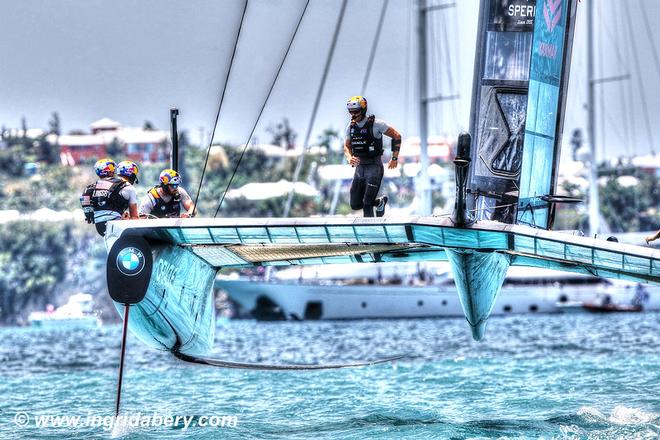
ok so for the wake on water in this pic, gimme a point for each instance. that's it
(622, 423)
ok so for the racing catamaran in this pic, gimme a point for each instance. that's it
(506, 168)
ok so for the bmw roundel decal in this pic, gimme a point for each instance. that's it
(130, 261)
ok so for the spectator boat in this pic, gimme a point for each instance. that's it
(76, 313)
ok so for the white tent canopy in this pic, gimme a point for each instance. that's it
(438, 148)
(345, 172)
(268, 190)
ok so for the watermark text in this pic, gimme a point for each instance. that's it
(108, 423)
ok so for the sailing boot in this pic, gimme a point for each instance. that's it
(380, 208)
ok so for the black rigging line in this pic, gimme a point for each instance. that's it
(272, 86)
(222, 98)
(639, 73)
(317, 101)
(374, 45)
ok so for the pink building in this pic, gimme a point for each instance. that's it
(142, 146)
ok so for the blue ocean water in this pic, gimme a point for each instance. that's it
(535, 376)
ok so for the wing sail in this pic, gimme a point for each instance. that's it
(548, 83)
(521, 71)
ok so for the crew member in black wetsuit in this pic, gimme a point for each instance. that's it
(167, 199)
(363, 148)
(115, 197)
(104, 169)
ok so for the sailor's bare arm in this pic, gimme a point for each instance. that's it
(347, 152)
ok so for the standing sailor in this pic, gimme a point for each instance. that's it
(113, 196)
(167, 199)
(363, 148)
(105, 169)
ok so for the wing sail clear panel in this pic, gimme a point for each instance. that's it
(507, 56)
(502, 135)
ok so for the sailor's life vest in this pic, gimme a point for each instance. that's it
(363, 142)
(86, 202)
(164, 209)
(106, 197)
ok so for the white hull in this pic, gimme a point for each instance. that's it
(76, 313)
(314, 301)
(83, 322)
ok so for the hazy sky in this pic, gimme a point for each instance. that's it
(131, 61)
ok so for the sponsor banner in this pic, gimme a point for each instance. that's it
(548, 45)
(512, 15)
(545, 110)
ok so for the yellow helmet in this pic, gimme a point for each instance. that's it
(357, 103)
(128, 169)
(105, 167)
(169, 177)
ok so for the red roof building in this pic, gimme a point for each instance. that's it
(142, 146)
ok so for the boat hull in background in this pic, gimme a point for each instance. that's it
(317, 301)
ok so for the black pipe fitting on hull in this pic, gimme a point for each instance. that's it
(460, 216)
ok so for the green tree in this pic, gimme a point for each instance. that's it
(12, 160)
(184, 139)
(282, 134)
(46, 151)
(24, 127)
(629, 208)
(114, 148)
(33, 256)
(328, 139)
(54, 124)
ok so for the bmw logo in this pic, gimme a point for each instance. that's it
(130, 261)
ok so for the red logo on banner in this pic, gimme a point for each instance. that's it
(552, 13)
